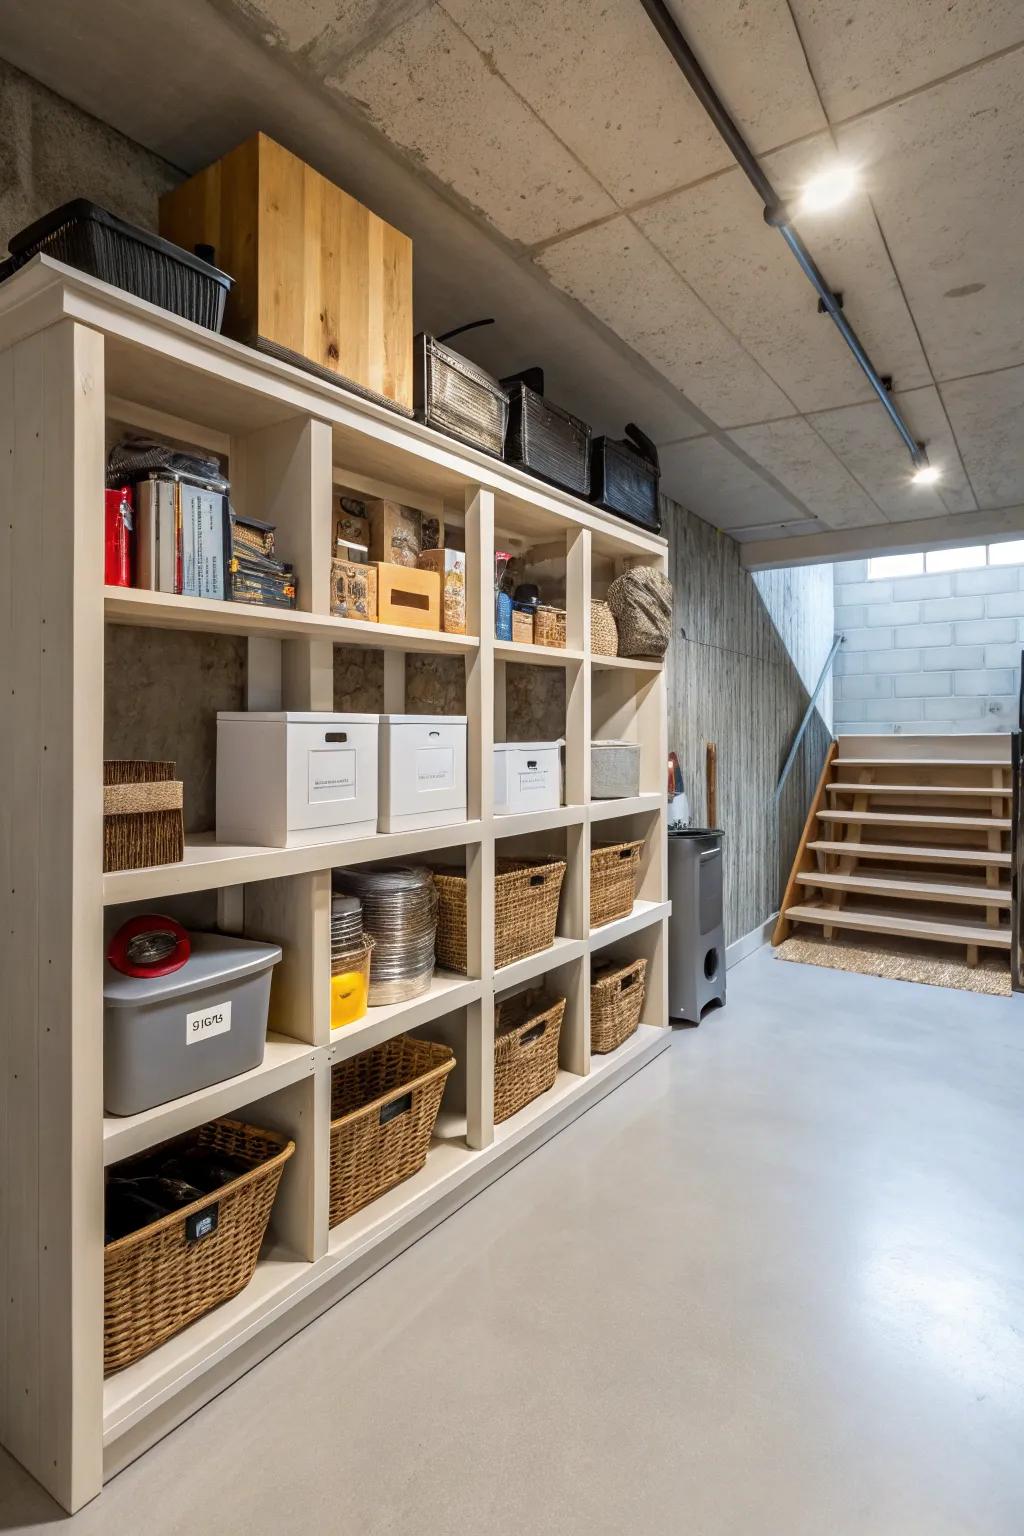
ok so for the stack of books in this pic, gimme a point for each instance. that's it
(256, 575)
(183, 536)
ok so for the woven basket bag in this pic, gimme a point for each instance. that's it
(616, 1003)
(526, 893)
(156, 1282)
(384, 1104)
(604, 634)
(641, 600)
(526, 1032)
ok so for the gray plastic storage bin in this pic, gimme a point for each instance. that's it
(165, 1036)
(614, 770)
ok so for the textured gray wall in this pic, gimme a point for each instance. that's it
(933, 654)
(54, 152)
(732, 680)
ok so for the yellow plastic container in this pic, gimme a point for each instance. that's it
(350, 987)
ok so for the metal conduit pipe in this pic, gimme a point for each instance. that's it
(775, 212)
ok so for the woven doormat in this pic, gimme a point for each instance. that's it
(900, 960)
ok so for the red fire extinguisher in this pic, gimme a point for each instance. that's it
(120, 537)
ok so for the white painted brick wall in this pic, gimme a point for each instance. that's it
(928, 653)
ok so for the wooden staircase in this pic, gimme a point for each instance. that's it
(908, 836)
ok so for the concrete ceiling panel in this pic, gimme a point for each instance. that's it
(987, 414)
(947, 180)
(864, 52)
(619, 276)
(333, 29)
(429, 91)
(715, 236)
(865, 440)
(795, 454)
(603, 81)
(721, 488)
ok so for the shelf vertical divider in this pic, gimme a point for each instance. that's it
(52, 422)
(574, 1046)
(480, 857)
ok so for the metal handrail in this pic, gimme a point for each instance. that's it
(837, 641)
(1017, 844)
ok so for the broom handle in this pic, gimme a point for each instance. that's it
(711, 774)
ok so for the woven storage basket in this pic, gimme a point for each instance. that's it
(549, 627)
(384, 1103)
(142, 822)
(614, 868)
(156, 1282)
(526, 1031)
(526, 893)
(616, 1003)
(604, 635)
(641, 600)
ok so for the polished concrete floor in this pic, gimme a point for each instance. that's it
(774, 1286)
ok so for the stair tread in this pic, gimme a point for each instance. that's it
(914, 853)
(909, 890)
(922, 762)
(909, 927)
(973, 790)
(898, 819)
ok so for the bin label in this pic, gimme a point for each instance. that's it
(207, 1022)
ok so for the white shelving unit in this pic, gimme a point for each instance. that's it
(76, 356)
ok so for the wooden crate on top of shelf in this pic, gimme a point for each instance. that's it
(319, 279)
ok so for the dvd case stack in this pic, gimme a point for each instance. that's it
(256, 575)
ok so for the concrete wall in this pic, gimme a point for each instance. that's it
(929, 654)
(733, 680)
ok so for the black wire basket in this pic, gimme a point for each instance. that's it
(625, 476)
(545, 439)
(82, 235)
(457, 397)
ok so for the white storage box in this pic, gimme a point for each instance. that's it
(527, 776)
(422, 771)
(290, 778)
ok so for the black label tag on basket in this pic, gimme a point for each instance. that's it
(395, 1108)
(202, 1224)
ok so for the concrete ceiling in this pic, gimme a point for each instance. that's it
(554, 170)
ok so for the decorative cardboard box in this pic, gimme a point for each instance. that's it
(450, 564)
(353, 590)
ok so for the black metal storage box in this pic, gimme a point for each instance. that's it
(545, 439)
(625, 476)
(457, 397)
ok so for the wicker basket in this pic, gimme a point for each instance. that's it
(549, 627)
(604, 636)
(614, 868)
(526, 1031)
(526, 893)
(383, 1107)
(158, 1280)
(142, 822)
(616, 1003)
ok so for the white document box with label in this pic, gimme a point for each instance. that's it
(293, 777)
(422, 771)
(527, 776)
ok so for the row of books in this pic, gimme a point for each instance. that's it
(190, 542)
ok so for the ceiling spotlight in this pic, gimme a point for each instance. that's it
(926, 474)
(829, 188)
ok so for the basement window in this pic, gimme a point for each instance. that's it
(889, 567)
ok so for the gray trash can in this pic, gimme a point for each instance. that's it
(696, 947)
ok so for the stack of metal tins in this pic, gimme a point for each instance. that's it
(399, 912)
